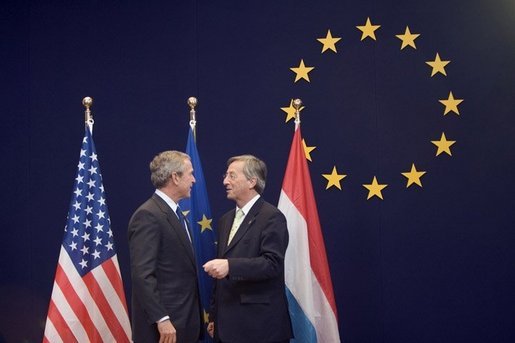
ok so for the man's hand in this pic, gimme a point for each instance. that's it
(167, 332)
(217, 268)
(211, 329)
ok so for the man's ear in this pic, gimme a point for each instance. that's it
(175, 178)
(253, 183)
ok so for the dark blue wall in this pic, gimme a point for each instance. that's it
(430, 264)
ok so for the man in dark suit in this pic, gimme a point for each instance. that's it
(165, 298)
(249, 302)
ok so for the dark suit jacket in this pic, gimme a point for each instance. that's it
(250, 304)
(164, 274)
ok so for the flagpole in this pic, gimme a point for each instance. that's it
(192, 102)
(88, 102)
(199, 215)
(88, 299)
(297, 104)
(307, 276)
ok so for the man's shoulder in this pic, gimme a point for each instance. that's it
(152, 204)
(149, 211)
(267, 208)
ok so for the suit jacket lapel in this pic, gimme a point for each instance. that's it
(224, 230)
(176, 226)
(245, 224)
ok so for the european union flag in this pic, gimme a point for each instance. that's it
(199, 215)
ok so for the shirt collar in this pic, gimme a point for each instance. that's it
(168, 200)
(249, 205)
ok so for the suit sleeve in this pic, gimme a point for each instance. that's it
(144, 241)
(212, 301)
(269, 263)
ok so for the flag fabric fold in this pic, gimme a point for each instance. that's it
(88, 300)
(198, 211)
(308, 280)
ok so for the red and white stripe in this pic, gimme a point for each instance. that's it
(307, 274)
(90, 308)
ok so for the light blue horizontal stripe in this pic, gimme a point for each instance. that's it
(303, 329)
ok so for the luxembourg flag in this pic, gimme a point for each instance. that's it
(308, 281)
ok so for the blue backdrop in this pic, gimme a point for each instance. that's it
(424, 264)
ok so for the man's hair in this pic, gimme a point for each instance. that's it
(164, 165)
(253, 168)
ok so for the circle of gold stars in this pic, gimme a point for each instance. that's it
(438, 65)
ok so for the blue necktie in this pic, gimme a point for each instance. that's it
(182, 219)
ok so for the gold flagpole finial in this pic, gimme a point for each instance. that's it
(192, 103)
(297, 104)
(88, 102)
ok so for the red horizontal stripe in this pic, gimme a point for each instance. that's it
(297, 186)
(60, 324)
(105, 309)
(116, 280)
(61, 278)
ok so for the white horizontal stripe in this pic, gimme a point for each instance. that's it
(83, 292)
(51, 333)
(297, 254)
(126, 321)
(112, 298)
(64, 308)
(300, 278)
(115, 261)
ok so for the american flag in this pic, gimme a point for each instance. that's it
(88, 301)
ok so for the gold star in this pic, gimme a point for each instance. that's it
(307, 150)
(206, 316)
(375, 189)
(451, 104)
(368, 30)
(290, 111)
(443, 145)
(205, 223)
(333, 179)
(408, 38)
(414, 176)
(329, 42)
(302, 71)
(438, 65)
